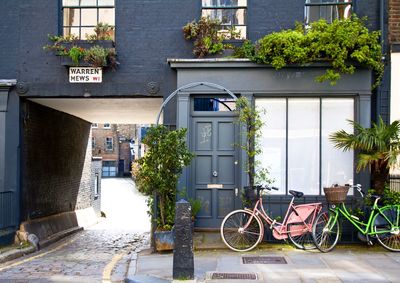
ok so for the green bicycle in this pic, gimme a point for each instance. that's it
(383, 224)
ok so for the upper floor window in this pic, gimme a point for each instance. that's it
(80, 17)
(107, 126)
(231, 13)
(95, 125)
(109, 144)
(329, 10)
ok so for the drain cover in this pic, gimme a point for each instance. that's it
(233, 276)
(264, 260)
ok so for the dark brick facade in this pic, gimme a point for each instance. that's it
(55, 156)
(56, 162)
(147, 33)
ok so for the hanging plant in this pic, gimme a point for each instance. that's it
(207, 36)
(344, 43)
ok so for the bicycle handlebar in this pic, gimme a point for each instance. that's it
(260, 187)
(358, 187)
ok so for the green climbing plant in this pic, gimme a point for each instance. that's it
(251, 122)
(344, 43)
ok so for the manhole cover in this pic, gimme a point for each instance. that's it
(264, 260)
(233, 276)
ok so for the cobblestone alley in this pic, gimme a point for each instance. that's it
(98, 254)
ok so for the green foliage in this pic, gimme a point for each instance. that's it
(102, 31)
(378, 148)
(390, 197)
(250, 118)
(76, 53)
(159, 170)
(343, 43)
(207, 36)
(196, 206)
(194, 203)
(96, 56)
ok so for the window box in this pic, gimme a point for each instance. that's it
(85, 44)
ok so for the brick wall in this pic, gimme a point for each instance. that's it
(100, 134)
(56, 174)
(394, 21)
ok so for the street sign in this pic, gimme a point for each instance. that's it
(85, 75)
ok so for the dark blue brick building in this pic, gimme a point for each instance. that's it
(45, 120)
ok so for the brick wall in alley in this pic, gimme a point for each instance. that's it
(100, 134)
(56, 156)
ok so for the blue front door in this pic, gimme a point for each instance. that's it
(215, 168)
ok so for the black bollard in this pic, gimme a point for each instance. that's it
(183, 267)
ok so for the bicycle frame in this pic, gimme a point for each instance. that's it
(364, 228)
(295, 214)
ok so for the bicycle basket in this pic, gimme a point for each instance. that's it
(336, 195)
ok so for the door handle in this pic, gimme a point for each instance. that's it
(236, 191)
(215, 173)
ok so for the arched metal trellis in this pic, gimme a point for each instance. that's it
(189, 86)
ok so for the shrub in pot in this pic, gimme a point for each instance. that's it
(158, 171)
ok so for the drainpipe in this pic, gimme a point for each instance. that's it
(382, 25)
(379, 90)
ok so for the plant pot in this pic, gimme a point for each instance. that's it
(164, 240)
(67, 61)
(224, 53)
(88, 44)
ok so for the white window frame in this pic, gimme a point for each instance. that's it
(112, 144)
(77, 5)
(330, 6)
(219, 8)
(106, 126)
(283, 180)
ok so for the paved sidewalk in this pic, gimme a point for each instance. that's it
(344, 264)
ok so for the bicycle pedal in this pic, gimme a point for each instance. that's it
(370, 243)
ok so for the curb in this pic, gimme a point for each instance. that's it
(16, 253)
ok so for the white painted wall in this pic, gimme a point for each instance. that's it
(395, 88)
(395, 94)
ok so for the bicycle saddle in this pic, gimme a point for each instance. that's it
(296, 194)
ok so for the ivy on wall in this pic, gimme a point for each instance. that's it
(343, 43)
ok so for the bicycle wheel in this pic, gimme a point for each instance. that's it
(388, 228)
(237, 238)
(325, 232)
(300, 234)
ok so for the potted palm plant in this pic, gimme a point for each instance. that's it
(378, 147)
(157, 177)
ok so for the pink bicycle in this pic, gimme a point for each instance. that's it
(242, 230)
